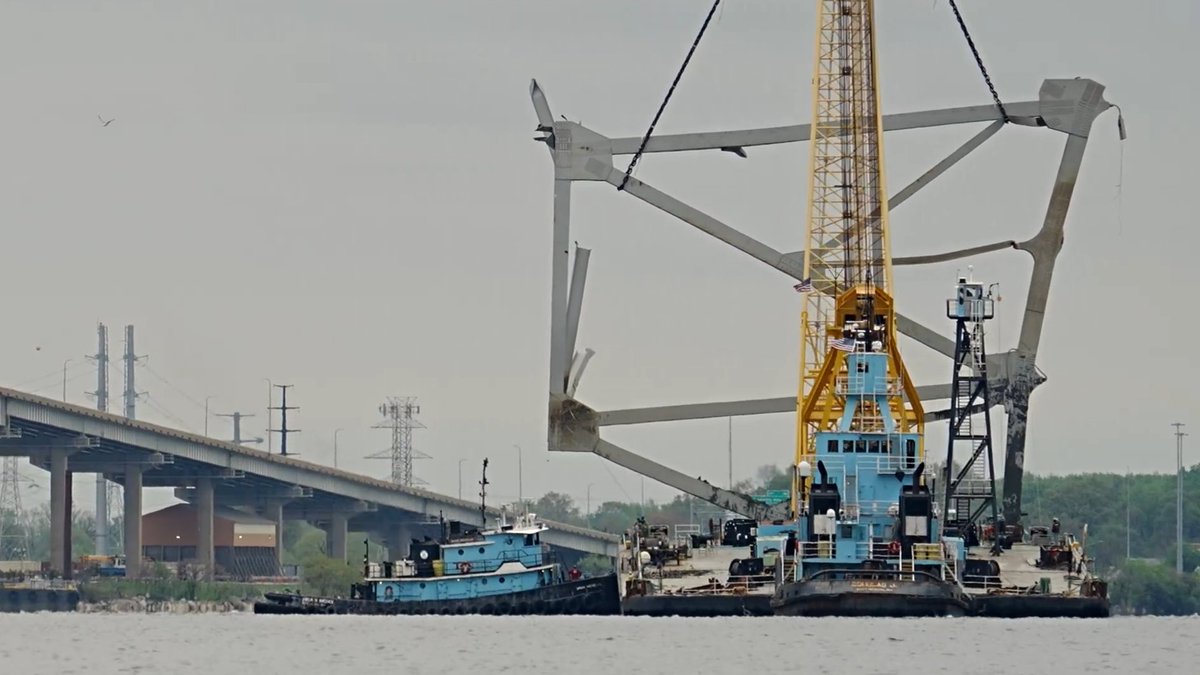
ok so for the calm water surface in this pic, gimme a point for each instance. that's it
(91, 644)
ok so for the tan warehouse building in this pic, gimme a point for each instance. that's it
(245, 545)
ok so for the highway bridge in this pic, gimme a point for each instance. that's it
(66, 439)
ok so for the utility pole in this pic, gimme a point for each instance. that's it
(283, 427)
(400, 416)
(1128, 502)
(101, 395)
(237, 427)
(1179, 434)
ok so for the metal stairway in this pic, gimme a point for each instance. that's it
(971, 490)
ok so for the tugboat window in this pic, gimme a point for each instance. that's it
(508, 540)
(832, 445)
(529, 540)
(847, 446)
(422, 584)
(481, 549)
(860, 446)
(483, 581)
(460, 552)
(501, 579)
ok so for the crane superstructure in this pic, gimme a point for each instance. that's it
(852, 381)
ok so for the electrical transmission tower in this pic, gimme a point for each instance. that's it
(400, 414)
(14, 533)
(103, 487)
(131, 359)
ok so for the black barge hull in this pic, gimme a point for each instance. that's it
(697, 605)
(1046, 606)
(38, 600)
(885, 597)
(598, 596)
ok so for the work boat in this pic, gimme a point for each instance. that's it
(869, 541)
(506, 570)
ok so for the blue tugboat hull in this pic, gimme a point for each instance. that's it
(596, 596)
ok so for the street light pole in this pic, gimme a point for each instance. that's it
(335, 433)
(270, 404)
(589, 506)
(460, 477)
(206, 399)
(65, 379)
(1179, 434)
(520, 479)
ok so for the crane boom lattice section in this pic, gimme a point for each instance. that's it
(847, 256)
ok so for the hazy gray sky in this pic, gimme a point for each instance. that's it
(346, 197)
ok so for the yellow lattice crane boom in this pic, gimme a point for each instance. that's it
(847, 257)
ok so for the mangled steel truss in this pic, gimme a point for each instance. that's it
(1068, 106)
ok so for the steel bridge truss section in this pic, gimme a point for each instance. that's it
(1069, 106)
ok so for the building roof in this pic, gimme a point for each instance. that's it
(222, 512)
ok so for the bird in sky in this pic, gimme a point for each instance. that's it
(104, 122)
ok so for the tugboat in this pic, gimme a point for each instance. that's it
(505, 570)
(872, 557)
(869, 539)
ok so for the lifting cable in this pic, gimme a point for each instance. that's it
(646, 139)
(979, 61)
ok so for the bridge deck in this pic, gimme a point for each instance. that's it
(106, 442)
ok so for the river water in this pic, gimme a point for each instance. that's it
(91, 644)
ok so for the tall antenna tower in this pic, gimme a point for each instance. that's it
(237, 428)
(14, 533)
(101, 395)
(400, 414)
(283, 429)
(131, 359)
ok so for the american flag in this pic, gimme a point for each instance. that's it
(805, 286)
(844, 344)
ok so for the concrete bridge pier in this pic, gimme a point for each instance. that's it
(335, 536)
(399, 537)
(60, 514)
(273, 511)
(133, 520)
(205, 552)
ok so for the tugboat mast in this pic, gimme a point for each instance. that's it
(483, 483)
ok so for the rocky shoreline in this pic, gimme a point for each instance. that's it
(144, 606)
